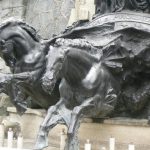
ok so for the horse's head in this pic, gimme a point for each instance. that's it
(16, 40)
(55, 60)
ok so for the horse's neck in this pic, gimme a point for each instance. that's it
(32, 60)
(77, 65)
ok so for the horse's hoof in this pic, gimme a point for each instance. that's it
(41, 143)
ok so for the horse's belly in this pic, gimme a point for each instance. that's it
(81, 94)
(40, 97)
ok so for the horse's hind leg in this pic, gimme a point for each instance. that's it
(72, 142)
(52, 118)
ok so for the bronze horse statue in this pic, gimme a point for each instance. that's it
(19, 47)
(97, 69)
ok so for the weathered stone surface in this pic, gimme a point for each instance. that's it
(11, 8)
(84, 10)
(49, 17)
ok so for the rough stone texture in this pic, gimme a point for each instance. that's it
(49, 16)
(11, 8)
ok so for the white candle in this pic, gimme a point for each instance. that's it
(131, 147)
(1, 135)
(87, 145)
(10, 138)
(103, 148)
(20, 142)
(112, 144)
(63, 137)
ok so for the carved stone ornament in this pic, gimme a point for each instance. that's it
(105, 6)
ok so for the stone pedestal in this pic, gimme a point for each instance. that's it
(124, 130)
(29, 122)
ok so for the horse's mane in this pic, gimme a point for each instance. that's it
(80, 43)
(29, 29)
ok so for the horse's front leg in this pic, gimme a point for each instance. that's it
(18, 98)
(57, 114)
(72, 142)
(52, 118)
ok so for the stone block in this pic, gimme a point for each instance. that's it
(83, 14)
(44, 15)
(73, 17)
(84, 10)
(91, 9)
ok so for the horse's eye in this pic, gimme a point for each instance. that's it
(2, 42)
